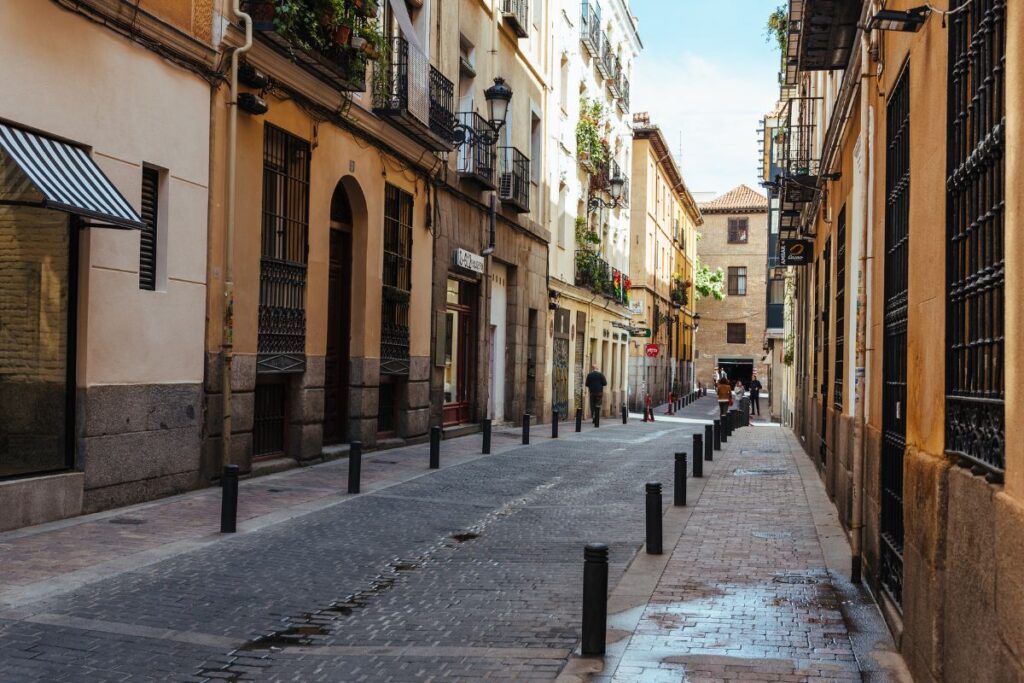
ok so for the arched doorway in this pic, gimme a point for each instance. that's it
(339, 317)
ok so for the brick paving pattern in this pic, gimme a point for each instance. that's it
(469, 573)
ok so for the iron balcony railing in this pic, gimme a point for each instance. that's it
(605, 63)
(590, 27)
(477, 161)
(623, 100)
(514, 179)
(517, 15)
(339, 65)
(615, 81)
(595, 274)
(415, 96)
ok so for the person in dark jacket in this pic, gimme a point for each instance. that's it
(755, 396)
(595, 384)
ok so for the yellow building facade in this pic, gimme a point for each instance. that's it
(898, 160)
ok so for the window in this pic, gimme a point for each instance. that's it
(736, 333)
(777, 290)
(737, 281)
(738, 228)
(148, 234)
(281, 345)
(397, 282)
(975, 245)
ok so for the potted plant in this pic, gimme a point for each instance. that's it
(366, 8)
(298, 22)
(369, 39)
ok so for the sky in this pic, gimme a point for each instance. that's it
(706, 73)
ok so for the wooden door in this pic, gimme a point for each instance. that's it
(339, 305)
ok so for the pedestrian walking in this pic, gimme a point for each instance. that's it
(595, 384)
(755, 395)
(724, 395)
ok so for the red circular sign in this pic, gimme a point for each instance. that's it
(652, 350)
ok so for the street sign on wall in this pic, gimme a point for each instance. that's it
(641, 332)
(652, 350)
(795, 252)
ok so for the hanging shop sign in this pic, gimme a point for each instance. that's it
(795, 252)
(469, 260)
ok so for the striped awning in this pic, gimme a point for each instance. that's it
(40, 171)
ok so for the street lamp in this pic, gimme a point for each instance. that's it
(615, 187)
(696, 321)
(498, 97)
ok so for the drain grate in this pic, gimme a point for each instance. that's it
(127, 520)
(759, 472)
(797, 579)
(772, 535)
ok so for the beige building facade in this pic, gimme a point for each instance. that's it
(663, 241)
(732, 331)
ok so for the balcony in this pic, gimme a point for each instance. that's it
(477, 161)
(516, 14)
(825, 31)
(514, 179)
(414, 96)
(607, 61)
(590, 28)
(623, 100)
(615, 81)
(339, 65)
(595, 274)
(798, 166)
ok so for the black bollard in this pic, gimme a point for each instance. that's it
(625, 414)
(487, 437)
(597, 418)
(355, 465)
(679, 490)
(708, 442)
(698, 446)
(654, 518)
(579, 419)
(554, 424)
(229, 499)
(435, 448)
(725, 428)
(698, 466)
(526, 429)
(595, 598)
(718, 434)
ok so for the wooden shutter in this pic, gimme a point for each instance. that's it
(147, 238)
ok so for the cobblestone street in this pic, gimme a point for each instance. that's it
(468, 573)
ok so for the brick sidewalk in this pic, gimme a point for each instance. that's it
(746, 593)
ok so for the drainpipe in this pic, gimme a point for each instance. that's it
(228, 334)
(865, 181)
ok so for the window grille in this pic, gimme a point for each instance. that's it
(975, 226)
(281, 345)
(826, 299)
(738, 230)
(148, 234)
(397, 286)
(268, 420)
(736, 333)
(894, 345)
(737, 281)
(837, 391)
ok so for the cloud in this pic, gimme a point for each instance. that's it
(715, 109)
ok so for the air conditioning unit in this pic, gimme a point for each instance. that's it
(506, 185)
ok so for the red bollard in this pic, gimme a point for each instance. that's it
(671, 404)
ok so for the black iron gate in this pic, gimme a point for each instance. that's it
(975, 224)
(894, 348)
(560, 364)
(825, 319)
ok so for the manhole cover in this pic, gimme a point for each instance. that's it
(772, 534)
(759, 472)
(795, 579)
(463, 536)
(127, 520)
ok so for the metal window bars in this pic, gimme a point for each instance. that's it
(838, 367)
(590, 27)
(281, 342)
(975, 228)
(476, 159)
(514, 179)
(396, 281)
(516, 14)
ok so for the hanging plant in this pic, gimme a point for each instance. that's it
(589, 131)
(586, 237)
